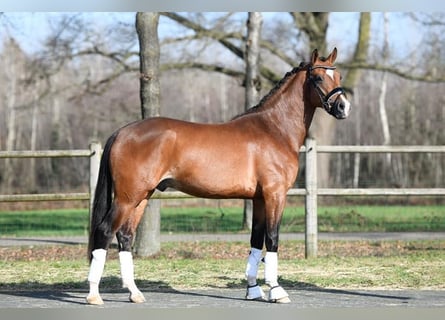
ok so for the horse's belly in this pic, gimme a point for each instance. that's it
(215, 192)
(208, 185)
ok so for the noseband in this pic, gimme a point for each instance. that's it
(325, 98)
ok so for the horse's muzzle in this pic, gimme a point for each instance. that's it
(337, 105)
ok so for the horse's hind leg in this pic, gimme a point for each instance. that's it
(102, 240)
(94, 276)
(125, 240)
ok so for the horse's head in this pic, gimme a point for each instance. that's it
(324, 85)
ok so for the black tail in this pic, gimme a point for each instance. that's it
(102, 213)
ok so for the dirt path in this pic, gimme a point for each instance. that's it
(372, 236)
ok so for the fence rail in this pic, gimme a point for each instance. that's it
(46, 154)
(381, 149)
(181, 195)
(310, 192)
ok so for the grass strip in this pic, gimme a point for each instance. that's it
(215, 219)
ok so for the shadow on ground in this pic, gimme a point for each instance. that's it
(75, 292)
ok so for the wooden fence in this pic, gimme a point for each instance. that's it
(310, 191)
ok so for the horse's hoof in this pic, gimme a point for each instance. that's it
(95, 300)
(255, 293)
(283, 300)
(137, 298)
(278, 295)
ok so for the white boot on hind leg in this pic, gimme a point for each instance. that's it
(276, 293)
(127, 273)
(94, 276)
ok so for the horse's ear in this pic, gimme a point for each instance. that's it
(314, 56)
(332, 56)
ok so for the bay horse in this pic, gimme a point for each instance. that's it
(253, 156)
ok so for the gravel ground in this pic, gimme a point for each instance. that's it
(373, 236)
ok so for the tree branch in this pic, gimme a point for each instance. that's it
(114, 56)
(221, 37)
(202, 66)
(406, 75)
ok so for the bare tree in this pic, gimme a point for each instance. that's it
(14, 68)
(314, 25)
(147, 240)
(12, 72)
(253, 84)
(382, 97)
(353, 76)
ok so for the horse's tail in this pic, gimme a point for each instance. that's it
(102, 213)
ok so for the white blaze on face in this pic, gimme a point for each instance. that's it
(330, 73)
(347, 105)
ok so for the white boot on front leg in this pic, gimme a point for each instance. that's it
(276, 292)
(254, 291)
(94, 276)
(127, 273)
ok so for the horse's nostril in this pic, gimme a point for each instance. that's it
(341, 107)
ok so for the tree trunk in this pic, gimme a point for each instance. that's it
(358, 133)
(352, 78)
(32, 176)
(382, 111)
(11, 73)
(382, 97)
(323, 124)
(147, 240)
(361, 51)
(315, 25)
(253, 84)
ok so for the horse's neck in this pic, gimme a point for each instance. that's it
(287, 113)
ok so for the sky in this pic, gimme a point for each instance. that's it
(31, 29)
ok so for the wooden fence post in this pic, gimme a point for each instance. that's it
(95, 155)
(311, 199)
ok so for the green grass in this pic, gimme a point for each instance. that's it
(44, 223)
(229, 219)
(400, 265)
(382, 218)
(330, 219)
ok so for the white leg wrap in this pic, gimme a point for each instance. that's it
(127, 268)
(271, 269)
(127, 274)
(276, 293)
(255, 293)
(97, 265)
(252, 266)
(96, 270)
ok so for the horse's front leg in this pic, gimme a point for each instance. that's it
(125, 240)
(254, 291)
(274, 206)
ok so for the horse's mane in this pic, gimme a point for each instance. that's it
(272, 92)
